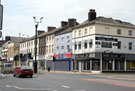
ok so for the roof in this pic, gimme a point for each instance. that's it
(68, 30)
(53, 31)
(16, 39)
(104, 20)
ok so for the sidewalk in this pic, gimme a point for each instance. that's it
(119, 76)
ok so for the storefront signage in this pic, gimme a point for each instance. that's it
(82, 55)
(111, 56)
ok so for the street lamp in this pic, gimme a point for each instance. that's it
(36, 26)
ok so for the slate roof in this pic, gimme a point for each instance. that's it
(105, 20)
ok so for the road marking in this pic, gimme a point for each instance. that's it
(66, 86)
(80, 90)
(33, 89)
(8, 86)
(110, 82)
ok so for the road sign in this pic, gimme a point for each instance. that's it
(1, 16)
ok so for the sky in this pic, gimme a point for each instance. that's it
(18, 14)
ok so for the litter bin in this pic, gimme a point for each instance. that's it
(48, 69)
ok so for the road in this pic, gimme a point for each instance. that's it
(64, 82)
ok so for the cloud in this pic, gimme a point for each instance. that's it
(18, 14)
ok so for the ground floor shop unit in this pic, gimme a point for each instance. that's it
(104, 62)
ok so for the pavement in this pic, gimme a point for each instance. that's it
(120, 76)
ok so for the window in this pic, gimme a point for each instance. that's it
(85, 31)
(90, 44)
(85, 45)
(62, 47)
(57, 39)
(67, 37)
(118, 31)
(106, 44)
(52, 48)
(130, 45)
(62, 39)
(79, 32)
(75, 33)
(68, 41)
(79, 45)
(75, 46)
(119, 45)
(68, 48)
(57, 48)
(115, 44)
(97, 43)
(130, 32)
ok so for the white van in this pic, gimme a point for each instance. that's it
(7, 68)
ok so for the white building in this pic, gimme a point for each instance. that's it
(104, 44)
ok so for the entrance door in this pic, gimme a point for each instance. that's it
(96, 65)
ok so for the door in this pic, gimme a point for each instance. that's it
(96, 65)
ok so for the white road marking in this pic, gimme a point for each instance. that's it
(8, 86)
(80, 90)
(33, 89)
(66, 86)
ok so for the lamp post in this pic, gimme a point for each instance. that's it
(36, 26)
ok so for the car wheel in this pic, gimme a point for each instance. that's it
(31, 76)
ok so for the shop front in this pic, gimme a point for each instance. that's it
(63, 62)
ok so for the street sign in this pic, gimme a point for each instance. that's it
(1, 16)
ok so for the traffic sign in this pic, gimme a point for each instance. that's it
(1, 16)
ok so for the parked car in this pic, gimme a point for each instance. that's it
(23, 71)
(7, 68)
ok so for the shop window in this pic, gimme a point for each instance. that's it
(119, 65)
(130, 65)
(115, 44)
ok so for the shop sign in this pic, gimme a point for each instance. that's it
(111, 56)
(82, 56)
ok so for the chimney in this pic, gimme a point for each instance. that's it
(64, 23)
(91, 15)
(71, 22)
(39, 32)
(50, 28)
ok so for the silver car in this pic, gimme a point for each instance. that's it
(7, 68)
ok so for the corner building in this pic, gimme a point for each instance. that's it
(103, 44)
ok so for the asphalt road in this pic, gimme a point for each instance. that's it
(64, 82)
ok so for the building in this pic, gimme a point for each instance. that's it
(63, 47)
(103, 44)
(6, 56)
(27, 50)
